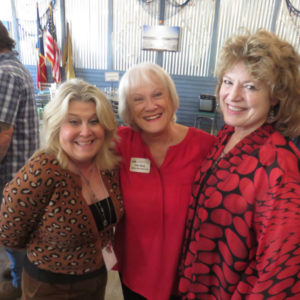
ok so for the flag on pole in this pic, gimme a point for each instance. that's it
(52, 52)
(41, 71)
(67, 59)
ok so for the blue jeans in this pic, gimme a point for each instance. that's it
(16, 258)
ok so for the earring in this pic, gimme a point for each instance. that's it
(271, 115)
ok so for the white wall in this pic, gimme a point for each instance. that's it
(5, 11)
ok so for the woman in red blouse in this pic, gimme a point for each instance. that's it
(243, 227)
(159, 162)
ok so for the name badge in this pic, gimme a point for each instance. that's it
(140, 165)
(109, 257)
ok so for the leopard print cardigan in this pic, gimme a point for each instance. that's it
(43, 210)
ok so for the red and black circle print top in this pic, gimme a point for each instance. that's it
(242, 237)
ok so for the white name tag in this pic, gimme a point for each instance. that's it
(140, 165)
(109, 257)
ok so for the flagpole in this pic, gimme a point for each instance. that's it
(62, 21)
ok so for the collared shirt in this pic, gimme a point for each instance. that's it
(17, 107)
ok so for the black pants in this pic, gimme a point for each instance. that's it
(131, 295)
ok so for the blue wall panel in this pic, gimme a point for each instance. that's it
(189, 89)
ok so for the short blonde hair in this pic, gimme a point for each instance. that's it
(56, 111)
(144, 73)
(274, 61)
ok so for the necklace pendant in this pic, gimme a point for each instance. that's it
(105, 223)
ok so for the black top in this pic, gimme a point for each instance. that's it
(104, 213)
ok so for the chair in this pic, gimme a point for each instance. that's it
(206, 115)
(207, 110)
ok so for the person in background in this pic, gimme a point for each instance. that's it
(159, 160)
(64, 203)
(19, 138)
(243, 227)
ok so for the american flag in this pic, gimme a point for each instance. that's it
(52, 52)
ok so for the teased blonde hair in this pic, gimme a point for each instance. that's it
(56, 111)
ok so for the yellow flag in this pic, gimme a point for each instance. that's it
(67, 59)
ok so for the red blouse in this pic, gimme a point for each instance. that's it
(149, 238)
(242, 238)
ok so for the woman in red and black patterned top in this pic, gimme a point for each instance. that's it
(242, 235)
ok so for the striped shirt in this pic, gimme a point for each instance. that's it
(17, 107)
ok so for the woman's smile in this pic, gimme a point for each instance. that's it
(81, 136)
(245, 103)
(153, 117)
